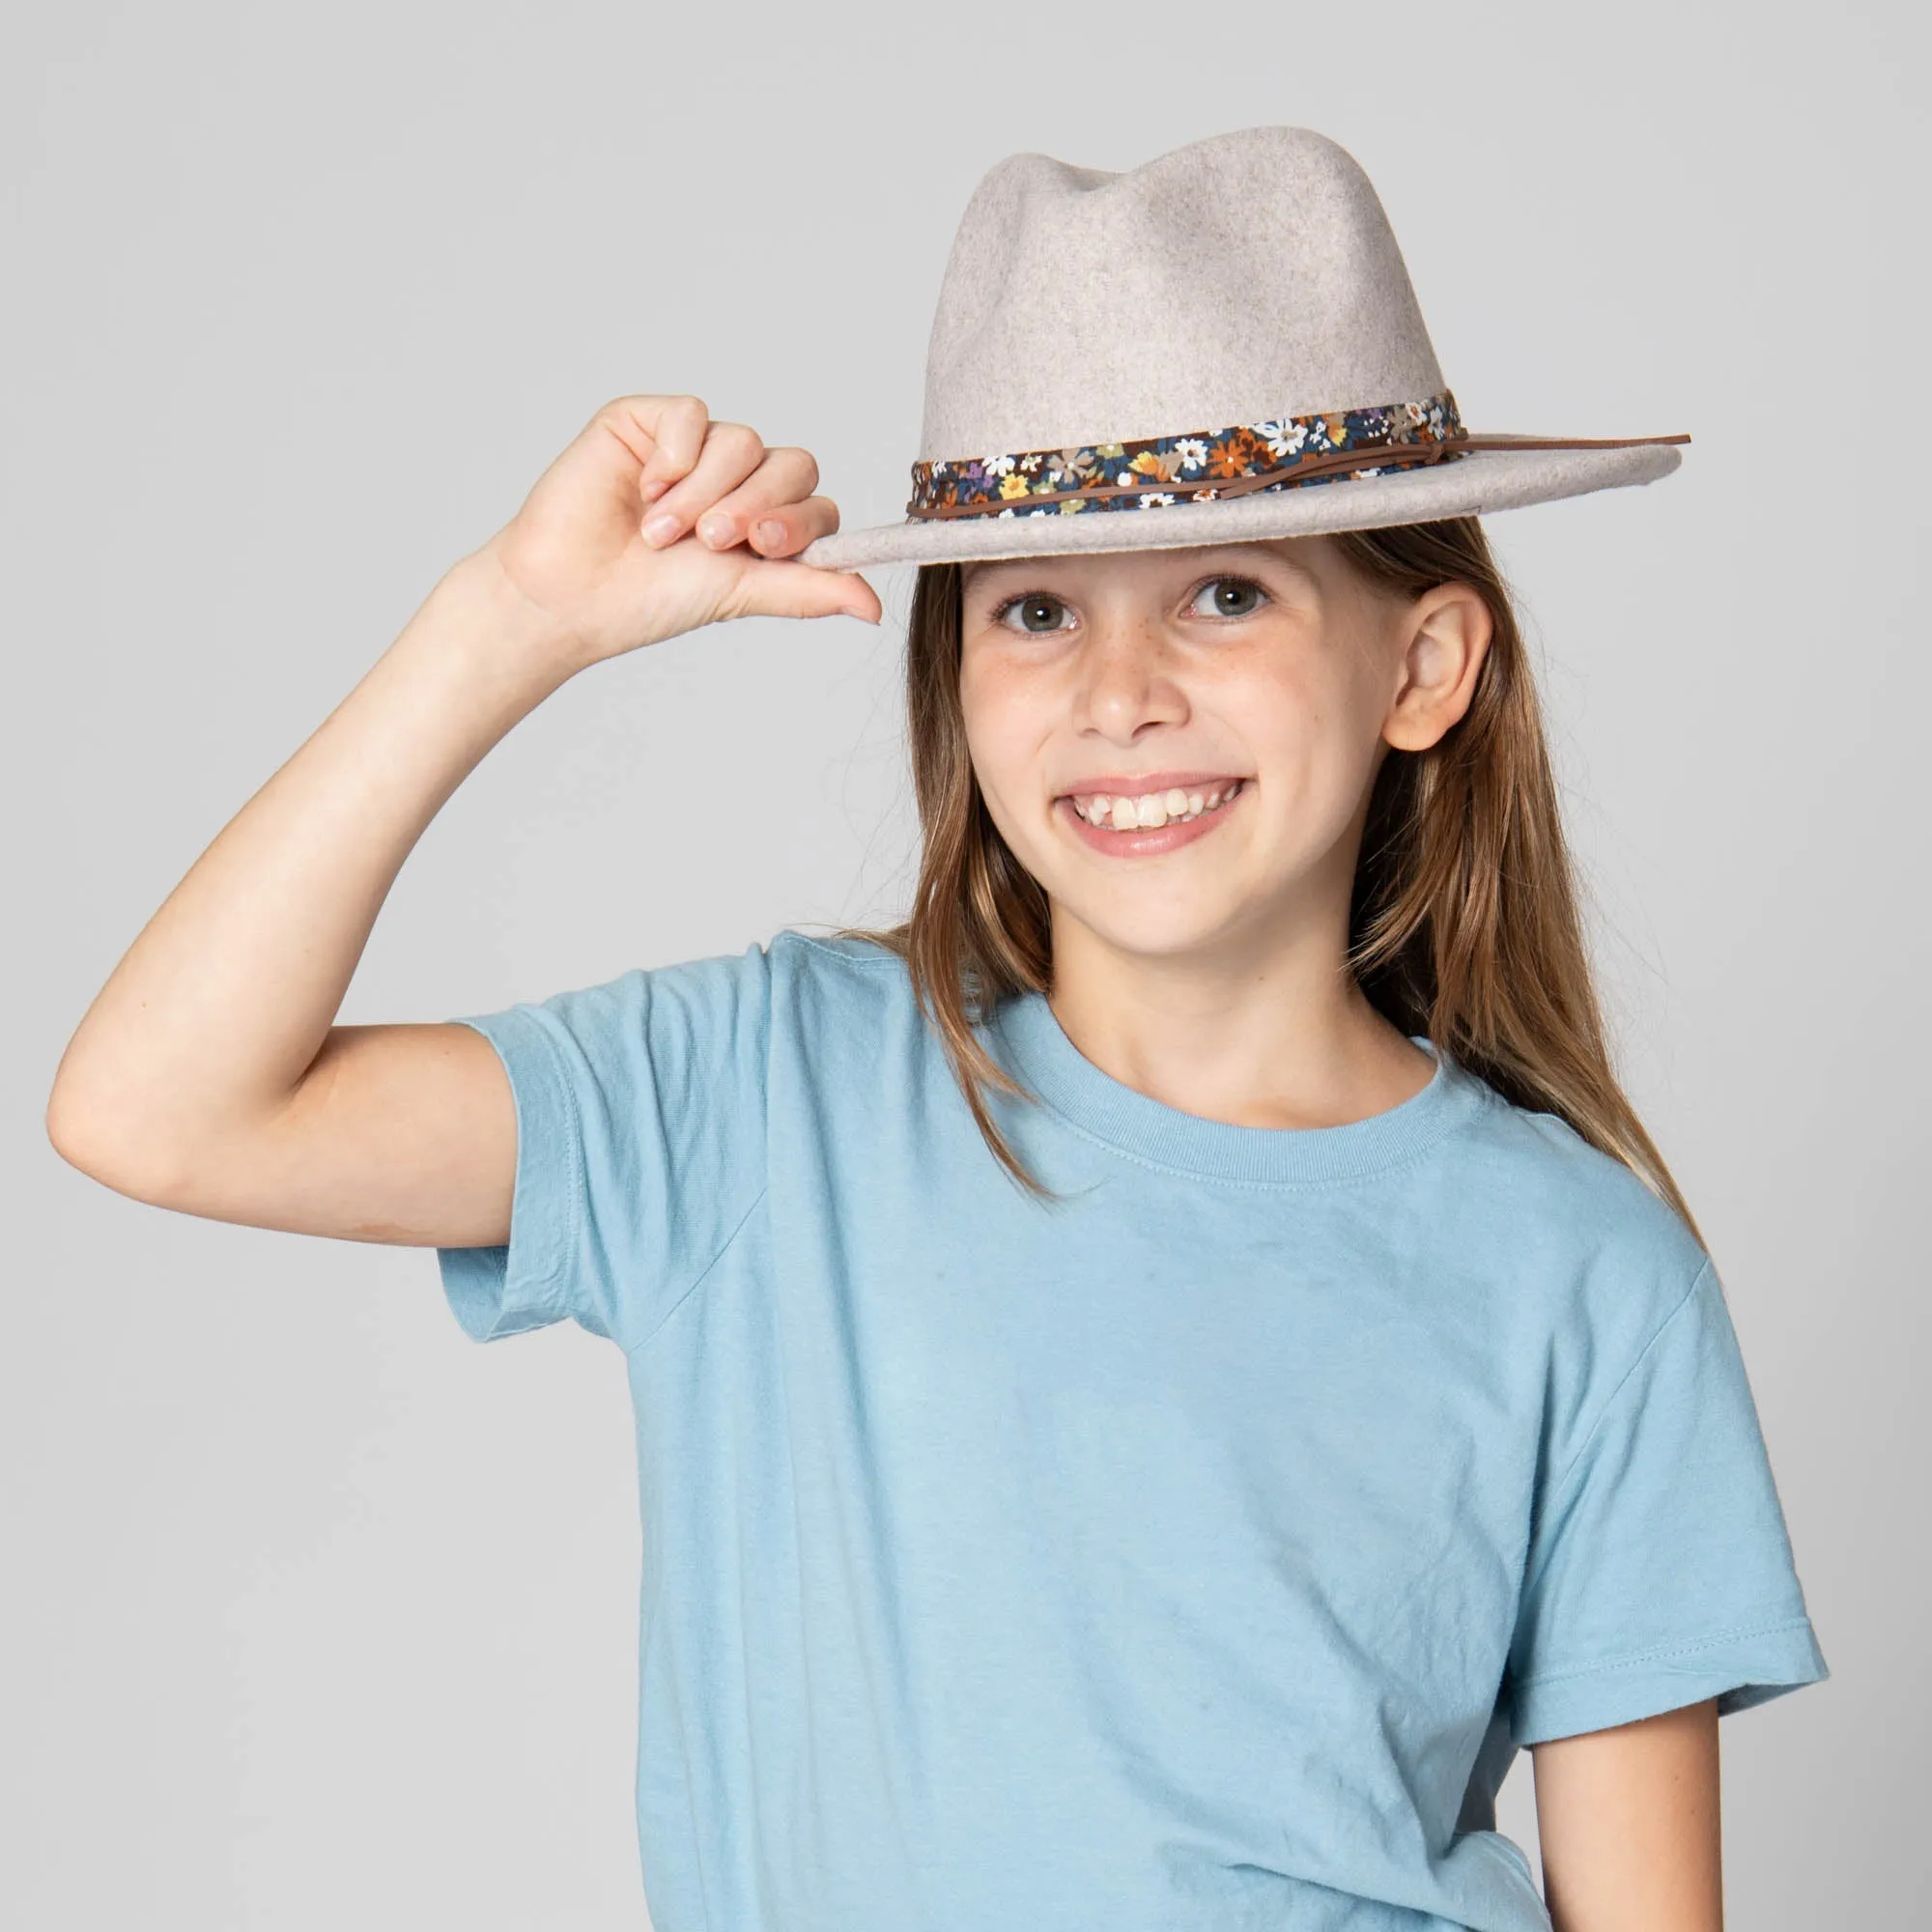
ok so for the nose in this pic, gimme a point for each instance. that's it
(1126, 681)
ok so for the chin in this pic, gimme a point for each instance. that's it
(1154, 931)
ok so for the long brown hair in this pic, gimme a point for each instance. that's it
(1463, 926)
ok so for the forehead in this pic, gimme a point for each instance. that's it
(1288, 558)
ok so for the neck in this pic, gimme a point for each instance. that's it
(1274, 1033)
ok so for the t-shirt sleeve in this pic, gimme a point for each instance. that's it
(1659, 1572)
(640, 1148)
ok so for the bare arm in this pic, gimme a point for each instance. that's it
(208, 1075)
(1630, 1825)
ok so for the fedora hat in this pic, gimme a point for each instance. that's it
(1219, 346)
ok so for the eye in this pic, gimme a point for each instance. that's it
(1234, 597)
(1036, 609)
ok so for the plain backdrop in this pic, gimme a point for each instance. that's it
(317, 1613)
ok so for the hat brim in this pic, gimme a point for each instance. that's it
(1473, 483)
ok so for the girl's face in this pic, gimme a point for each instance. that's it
(1179, 744)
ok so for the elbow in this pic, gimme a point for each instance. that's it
(66, 1129)
(91, 1139)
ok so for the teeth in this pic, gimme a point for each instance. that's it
(1153, 809)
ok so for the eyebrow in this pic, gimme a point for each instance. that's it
(1207, 555)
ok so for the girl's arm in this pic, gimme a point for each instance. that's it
(208, 1075)
(1629, 1823)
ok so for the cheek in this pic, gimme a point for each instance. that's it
(993, 706)
(1315, 736)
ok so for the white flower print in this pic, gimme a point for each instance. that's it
(1283, 438)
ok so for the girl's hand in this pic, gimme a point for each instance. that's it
(657, 520)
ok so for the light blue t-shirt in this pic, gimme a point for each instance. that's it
(1192, 1555)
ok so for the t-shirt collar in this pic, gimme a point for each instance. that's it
(1108, 1110)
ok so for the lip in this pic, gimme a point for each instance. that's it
(1128, 784)
(1152, 840)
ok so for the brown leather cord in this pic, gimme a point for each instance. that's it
(1372, 456)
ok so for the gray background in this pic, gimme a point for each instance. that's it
(317, 1613)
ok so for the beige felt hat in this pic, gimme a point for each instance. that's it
(1219, 346)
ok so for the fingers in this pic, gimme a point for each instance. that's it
(783, 478)
(720, 481)
(773, 509)
(718, 476)
(785, 529)
(664, 433)
(729, 453)
(776, 520)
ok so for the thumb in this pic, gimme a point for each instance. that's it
(781, 589)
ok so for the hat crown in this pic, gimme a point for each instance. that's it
(1242, 278)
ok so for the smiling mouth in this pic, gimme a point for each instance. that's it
(1152, 810)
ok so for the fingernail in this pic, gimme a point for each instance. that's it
(654, 489)
(771, 532)
(660, 529)
(717, 531)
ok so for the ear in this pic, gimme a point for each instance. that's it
(1445, 637)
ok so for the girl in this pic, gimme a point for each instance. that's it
(1156, 1377)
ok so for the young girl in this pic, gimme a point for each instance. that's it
(1154, 1378)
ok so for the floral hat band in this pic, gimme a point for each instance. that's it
(1201, 465)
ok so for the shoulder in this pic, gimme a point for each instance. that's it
(838, 956)
(837, 968)
(1548, 1168)
(1578, 1227)
(829, 992)
(793, 978)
